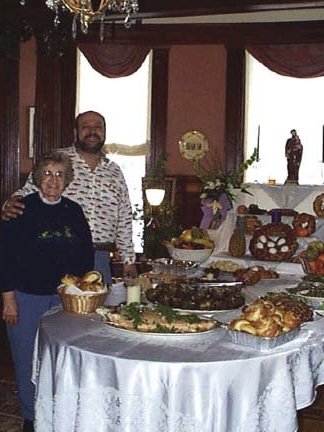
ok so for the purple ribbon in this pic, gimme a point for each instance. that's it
(209, 217)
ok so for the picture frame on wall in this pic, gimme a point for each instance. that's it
(170, 185)
(31, 117)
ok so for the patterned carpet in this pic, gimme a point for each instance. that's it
(10, 420)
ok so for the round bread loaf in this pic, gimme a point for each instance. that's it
(318, 205)
(304, 224)
(273, 242)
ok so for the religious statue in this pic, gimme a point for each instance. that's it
(294, 153)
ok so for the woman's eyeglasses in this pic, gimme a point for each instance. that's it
(56, 174)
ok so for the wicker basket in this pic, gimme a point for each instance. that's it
(82, 304)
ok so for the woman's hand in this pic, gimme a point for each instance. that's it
(12, 208)
(10, 308)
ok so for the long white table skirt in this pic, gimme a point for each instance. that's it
(93, 378)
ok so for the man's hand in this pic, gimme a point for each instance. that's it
(12, 208)
(10, 309)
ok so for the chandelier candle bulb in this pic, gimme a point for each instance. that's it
(133, 294)
(86, 13)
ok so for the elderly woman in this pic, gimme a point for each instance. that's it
(51, 238)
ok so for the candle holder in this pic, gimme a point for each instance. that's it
(133, 291)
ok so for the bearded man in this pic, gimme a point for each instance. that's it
(99, 187)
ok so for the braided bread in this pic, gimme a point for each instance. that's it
(272, 316)
(304, 224)
(318, 205)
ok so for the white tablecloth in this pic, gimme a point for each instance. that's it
(93, 378)
(299, 198)
(281, 267)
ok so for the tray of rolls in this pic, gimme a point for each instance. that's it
(269, 322)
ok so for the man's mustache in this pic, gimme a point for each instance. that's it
(91, 135)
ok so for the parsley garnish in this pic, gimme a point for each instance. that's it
(191, 319)
(169, 314)
(133, 312)
(161, 329)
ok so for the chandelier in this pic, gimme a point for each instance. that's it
(86, 13)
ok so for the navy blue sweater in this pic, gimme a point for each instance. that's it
(44, 243)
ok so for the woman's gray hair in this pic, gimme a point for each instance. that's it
(52, 158)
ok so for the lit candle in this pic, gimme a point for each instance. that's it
(323, 143)
(133, 294)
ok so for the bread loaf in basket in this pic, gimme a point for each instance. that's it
(273, 242)
(82, 295)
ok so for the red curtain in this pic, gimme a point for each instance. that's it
(299, 61)
(9, 122)
(55, 100)
(114, 61)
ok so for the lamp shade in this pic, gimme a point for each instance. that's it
(155, 196)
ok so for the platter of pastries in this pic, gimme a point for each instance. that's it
(254, 274)
(271, 316)
(270, 321)
(155, 320)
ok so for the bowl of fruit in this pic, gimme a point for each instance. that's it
(193, 244)
(312, 258)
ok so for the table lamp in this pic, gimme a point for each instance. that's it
(154, 197)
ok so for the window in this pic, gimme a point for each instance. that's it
(125, 103)
(275, 105)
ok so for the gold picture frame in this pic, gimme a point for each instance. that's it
(193, 145)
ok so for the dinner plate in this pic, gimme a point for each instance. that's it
(129, 331)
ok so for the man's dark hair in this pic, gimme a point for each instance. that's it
(88, 112)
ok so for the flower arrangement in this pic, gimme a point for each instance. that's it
(219, 190)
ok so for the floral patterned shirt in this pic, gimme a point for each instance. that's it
(104, 198)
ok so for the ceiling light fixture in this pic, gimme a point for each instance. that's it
(88, 11)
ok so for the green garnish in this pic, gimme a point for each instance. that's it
(133, 312)
(169, 314)
(191, 319)
(161, 329)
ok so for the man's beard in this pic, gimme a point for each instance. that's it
(89, 148)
